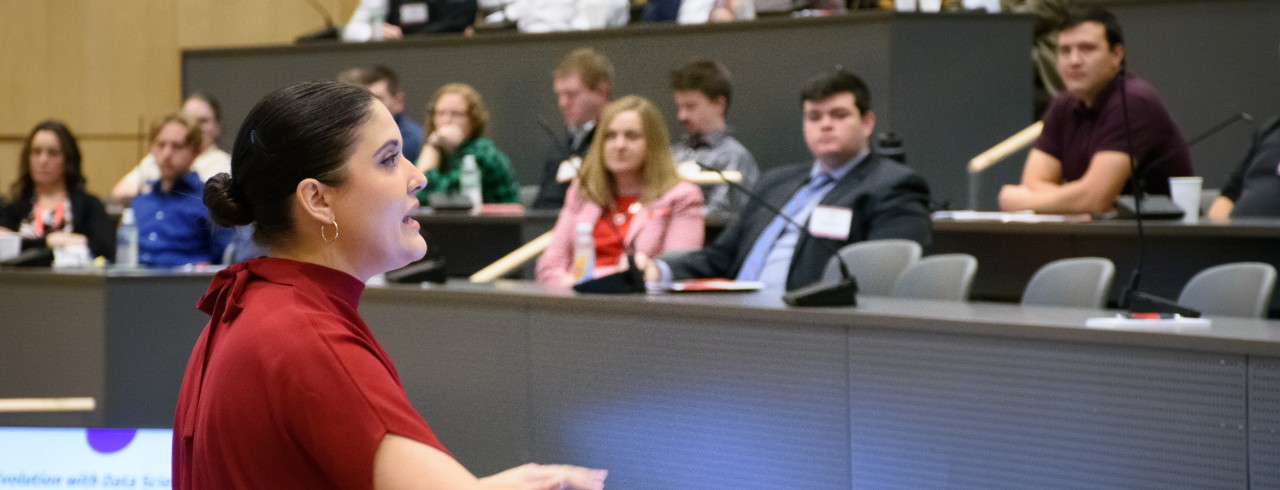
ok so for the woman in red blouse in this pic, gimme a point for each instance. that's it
(286, 387)
(628, 191)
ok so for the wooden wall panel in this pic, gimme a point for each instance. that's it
(105, 161)
(223, 23)
(8, 165)
(98, 66)
(103, 66)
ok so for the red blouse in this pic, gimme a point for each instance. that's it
(610, 229)
(286, 386)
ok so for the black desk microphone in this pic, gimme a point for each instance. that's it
(840, 292)
(1132, 298)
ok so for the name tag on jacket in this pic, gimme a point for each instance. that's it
(831, 222)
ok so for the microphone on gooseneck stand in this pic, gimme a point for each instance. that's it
(1237, 117)
(840, 292)
(1160, 206)
(1134, 299)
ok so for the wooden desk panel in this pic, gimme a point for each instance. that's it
(121, 337)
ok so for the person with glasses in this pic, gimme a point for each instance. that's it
(455, 130)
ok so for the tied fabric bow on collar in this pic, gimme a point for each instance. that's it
(222, 302)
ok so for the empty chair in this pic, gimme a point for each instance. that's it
(943, 277)
(1080, 282)
(876, 264)
(1238, 289)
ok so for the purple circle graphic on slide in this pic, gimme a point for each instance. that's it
(107, 441)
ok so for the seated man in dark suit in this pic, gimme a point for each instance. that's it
(582, 84)
(846, 195)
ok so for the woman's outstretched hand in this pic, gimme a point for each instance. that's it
(547, 477)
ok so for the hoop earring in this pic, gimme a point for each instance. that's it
(335, 232)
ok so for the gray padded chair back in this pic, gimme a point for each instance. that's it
(945, 277)
(1239, 289)
(876, 264)
(1080, 282)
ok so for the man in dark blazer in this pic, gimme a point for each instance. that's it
(846, 195)
(582, 83)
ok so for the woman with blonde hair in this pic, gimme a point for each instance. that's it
(628, 193)
(454, 131)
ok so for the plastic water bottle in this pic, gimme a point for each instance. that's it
(127, 240)
(584, 253)
(377, 16)
(469, 181)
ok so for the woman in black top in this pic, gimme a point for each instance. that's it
(50, 207)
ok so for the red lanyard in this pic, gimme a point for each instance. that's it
(37, 221)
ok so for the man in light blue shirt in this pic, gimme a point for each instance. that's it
(845, 195)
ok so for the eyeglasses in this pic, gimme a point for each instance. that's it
(450, 114)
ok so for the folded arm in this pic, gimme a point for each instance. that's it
(1042, 191)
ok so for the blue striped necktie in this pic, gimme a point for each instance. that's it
(754, 264)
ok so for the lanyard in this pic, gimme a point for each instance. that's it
(37, 221)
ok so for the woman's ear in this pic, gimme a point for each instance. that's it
(313, 200)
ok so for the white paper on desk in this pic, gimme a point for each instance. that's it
(713, 285)
(1169, 324)
(1020, 217)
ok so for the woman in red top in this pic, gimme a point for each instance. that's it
(629, 193)
(286, 387)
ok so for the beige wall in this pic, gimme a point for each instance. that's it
(107, 68)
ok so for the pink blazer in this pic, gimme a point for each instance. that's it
(673, 222)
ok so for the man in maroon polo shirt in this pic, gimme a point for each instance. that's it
(1080, 162)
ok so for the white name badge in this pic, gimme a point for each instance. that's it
(413, 13)
(568, 169)
(831, 222)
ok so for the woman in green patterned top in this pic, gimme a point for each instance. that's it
(455, 129)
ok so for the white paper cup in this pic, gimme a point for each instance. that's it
(931, 6)
(904, 5)
(991, 6)
(1185, 192)
(10, 245)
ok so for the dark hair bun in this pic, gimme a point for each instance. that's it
(223, 206)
